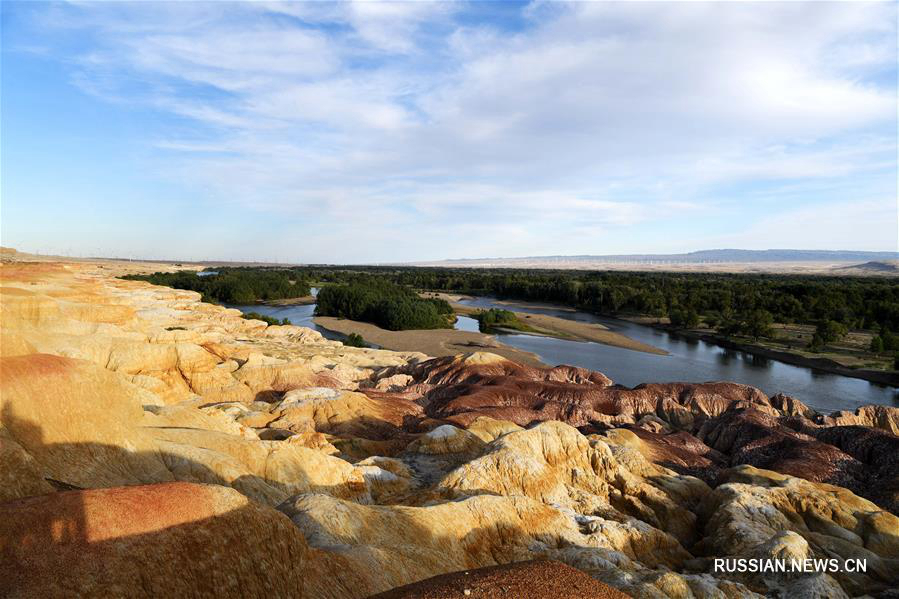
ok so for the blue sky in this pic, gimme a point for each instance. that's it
(375, 132)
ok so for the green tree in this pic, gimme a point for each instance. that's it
(712, 319)
(691, 320)
(758, 324)
(817, 343)
(355, 340)
(830, 331)
(495, 317)
(877, 344)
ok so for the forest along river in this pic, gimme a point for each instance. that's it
(688, 360)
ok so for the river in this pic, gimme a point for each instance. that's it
(300, 316)
(688, 360)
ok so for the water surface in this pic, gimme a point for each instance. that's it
(689, 360)
(300, 316)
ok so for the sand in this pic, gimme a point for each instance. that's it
(433, 342)
(305, 300)
(553, 326)
(571, 329)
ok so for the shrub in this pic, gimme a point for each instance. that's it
(830, 331)
(266, 319)
(354, 340)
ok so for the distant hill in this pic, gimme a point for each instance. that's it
(705, 256)
(885, 267)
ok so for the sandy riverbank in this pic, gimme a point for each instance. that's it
(433, 342)
(572, 330)
(306, 300)
(553, 326)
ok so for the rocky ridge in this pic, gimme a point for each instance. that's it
(151, 444)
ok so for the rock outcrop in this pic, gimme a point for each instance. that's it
(164, 540)
(764, 514)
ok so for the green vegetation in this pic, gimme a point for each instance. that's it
(234, 285)
(827, 331)
(755, 324)
(687, 319)
(890, 341)
(755, 306)
(267, 319)
(386, 304)
(495, 318)
(856, 302)
(355, 340)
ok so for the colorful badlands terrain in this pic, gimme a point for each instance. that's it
(153, 445)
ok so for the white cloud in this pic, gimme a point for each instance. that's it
(868, 225)
(586, 115)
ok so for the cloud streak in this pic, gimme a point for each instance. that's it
(588, 117)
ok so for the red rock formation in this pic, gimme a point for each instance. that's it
(878, 451)
(864, 460)
(452, 370)
(460, 389)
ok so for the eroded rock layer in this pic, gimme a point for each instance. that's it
(154, 445)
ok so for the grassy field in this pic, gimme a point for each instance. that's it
(852, 351)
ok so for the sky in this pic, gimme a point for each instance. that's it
(386, 132)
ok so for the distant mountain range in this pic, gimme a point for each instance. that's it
(705, 256)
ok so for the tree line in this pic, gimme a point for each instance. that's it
(731, 304)
(856, 302)
(234, 285)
